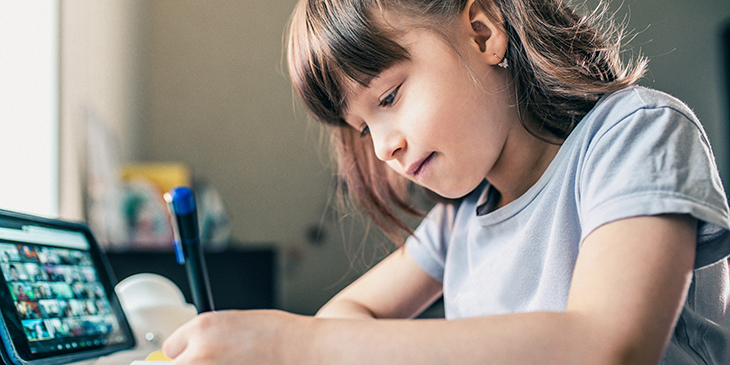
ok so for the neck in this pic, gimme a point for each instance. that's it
(522, 162)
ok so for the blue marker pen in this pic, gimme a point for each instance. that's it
(188, 251)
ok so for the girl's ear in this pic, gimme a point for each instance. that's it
(489, 37)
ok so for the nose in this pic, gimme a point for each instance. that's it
(388, 143)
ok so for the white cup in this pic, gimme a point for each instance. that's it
(155, 307)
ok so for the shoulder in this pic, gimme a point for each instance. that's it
(636, 103)
(635, 116)
(640, 122)
(643, 97)
(643, 152)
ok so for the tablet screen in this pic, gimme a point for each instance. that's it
(61, 296)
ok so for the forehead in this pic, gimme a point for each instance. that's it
(354, 92)
(424, 48)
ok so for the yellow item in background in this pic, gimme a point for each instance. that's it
(163, 175)
(157, 356)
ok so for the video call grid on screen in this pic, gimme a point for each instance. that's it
(56, 291)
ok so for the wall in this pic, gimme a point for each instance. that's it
(101, 63)
(220, 101)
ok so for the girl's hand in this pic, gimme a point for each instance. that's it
(236, 337)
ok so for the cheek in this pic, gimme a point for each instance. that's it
(395, 166)
(435, 115)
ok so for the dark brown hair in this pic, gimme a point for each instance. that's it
(560, 64)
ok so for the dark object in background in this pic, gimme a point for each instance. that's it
(726, 46)
(239, 279)
(726, 50)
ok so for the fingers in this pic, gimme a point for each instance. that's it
(178, 340)
(174, 345)
(228, 336)
(193, 334)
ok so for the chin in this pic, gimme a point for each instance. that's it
(456, 192)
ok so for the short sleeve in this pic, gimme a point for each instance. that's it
(429, 242)
(656, 160)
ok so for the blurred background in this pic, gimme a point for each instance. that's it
(135, 96)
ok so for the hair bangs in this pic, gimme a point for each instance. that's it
(333, 47)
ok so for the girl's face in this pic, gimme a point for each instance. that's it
(433, 121)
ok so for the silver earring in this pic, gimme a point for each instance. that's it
(503, 63)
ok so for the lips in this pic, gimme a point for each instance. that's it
(416, 168)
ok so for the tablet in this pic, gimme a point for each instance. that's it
(56, 293)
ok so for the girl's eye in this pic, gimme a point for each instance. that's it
(365, 131)
(388, 100)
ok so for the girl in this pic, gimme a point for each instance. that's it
(586, 221)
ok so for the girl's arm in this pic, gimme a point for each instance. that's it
(628, 289)
(395, 288)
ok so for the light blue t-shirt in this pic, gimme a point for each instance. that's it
(638, 152)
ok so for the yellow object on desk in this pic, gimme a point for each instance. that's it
(157, 356)
(164, 176)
